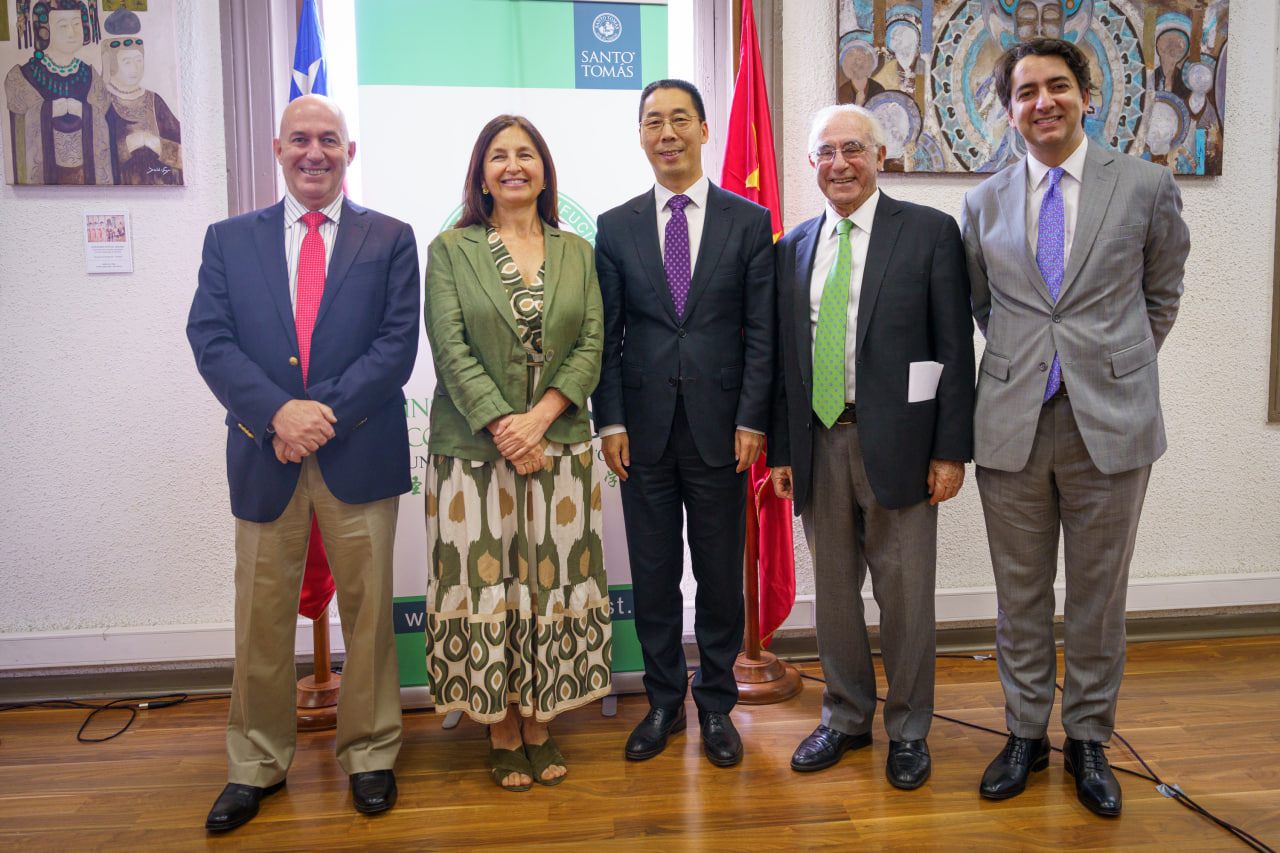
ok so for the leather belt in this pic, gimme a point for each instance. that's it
(848, 416)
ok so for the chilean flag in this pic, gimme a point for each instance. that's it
(310, 78)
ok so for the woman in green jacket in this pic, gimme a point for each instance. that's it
(517, 602)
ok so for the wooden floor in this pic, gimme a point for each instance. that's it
(1205, 715)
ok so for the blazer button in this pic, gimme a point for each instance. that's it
(293, 361)
(681, 332)
(671, 380)
(1057, 318)
(1043, 367)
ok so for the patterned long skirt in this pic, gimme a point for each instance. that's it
(498, 633)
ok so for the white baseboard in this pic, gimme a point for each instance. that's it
(1145, 594)
(188, 644)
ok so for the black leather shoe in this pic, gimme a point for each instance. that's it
(650, 737)
(237, 805)
(1007, 774)
(823, 749)
(908, 765)
(720, 740)
(373, 791)
(1096, 786)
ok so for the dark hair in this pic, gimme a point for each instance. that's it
(1072, 55)
(478, 207)
(672, 83)
(39, 16)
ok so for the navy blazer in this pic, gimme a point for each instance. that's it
(719, 354)
(363, 347)
(913, 306)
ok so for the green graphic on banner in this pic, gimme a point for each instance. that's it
(573, 217)
(514, 44)
(409, 615)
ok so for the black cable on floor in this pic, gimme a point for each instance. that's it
(1171, 791)
(132, 705)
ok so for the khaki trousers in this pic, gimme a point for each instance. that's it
(270, 559)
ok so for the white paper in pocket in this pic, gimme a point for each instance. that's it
(923, 382)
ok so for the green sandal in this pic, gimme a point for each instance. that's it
(507, 761)
(543, 755)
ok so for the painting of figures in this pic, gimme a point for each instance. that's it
(924, 67)
(91, 96)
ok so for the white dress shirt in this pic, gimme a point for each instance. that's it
(1038, 186)
(295, 229)
(824, 259)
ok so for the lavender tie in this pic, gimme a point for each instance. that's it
(1051, 235)
(675, 254)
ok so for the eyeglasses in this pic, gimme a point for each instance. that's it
(849, 151)
(679, 124)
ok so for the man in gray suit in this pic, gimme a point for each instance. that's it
(872, 303)
(1075, 261)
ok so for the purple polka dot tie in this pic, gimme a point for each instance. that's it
(675, 254)
(1051, 236)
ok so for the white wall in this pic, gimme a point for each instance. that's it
(114, 509)
(114, 519)
(1212, 506)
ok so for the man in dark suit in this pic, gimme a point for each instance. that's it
(305, 327)
(872, 428)
(1075, 260)
(686, 273)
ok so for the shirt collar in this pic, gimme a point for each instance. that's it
(294, 209)
(863, 217)
(1073, 165)
(697, 193)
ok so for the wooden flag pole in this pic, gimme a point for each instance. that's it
(762, 678)
(318, 692)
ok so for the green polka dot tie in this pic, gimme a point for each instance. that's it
(828, 346)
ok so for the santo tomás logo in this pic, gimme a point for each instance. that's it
(607, 46)
(607, 27)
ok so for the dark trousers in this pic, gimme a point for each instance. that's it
(713, 499)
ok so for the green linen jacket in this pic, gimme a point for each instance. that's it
(480, 364)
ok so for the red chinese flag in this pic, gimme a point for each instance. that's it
(751, 171)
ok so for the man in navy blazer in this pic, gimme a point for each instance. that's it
(313, 427)
(683, 403)
(867, 464)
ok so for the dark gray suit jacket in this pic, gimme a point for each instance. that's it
(719, 353)
(914, 306)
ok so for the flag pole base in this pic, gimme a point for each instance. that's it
(318, 692)
(765, 680)
(318, 703)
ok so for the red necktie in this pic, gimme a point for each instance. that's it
(310, 285)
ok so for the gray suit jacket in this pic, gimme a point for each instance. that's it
(1119, 297)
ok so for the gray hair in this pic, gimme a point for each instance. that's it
(825, 115)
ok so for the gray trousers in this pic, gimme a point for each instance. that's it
(1061, 488)
(848, 531)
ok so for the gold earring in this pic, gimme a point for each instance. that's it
(484, 190)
